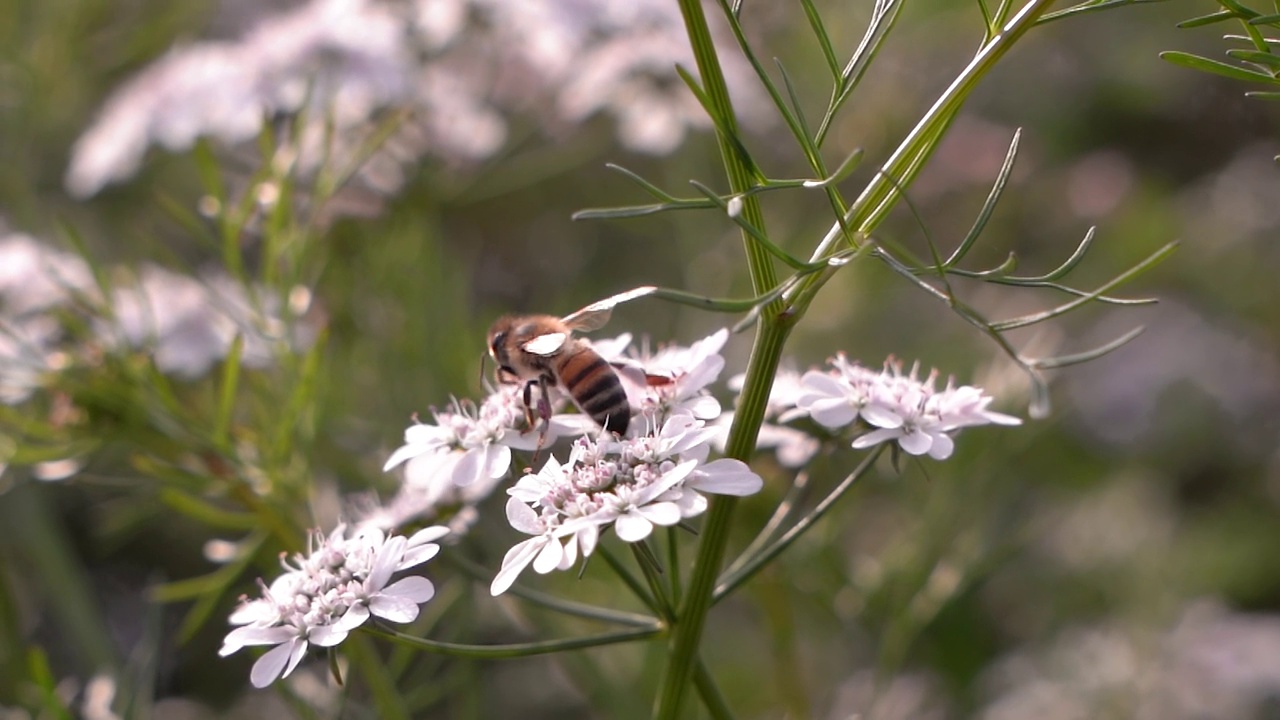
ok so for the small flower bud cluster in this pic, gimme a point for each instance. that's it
(329, 592)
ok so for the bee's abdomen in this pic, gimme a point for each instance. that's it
(595, 386)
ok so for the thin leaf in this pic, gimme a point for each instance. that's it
(1092, 6)
(1195, 62)
(645, 185)
(541, 647)
(227, 387)
(1265, 59)
(205, 512)
(1061, 361)
(989, 206)
(847, 166)
(1032, 319)
(1209, 19)
(753, 232)
(824, 40)
(723, 125)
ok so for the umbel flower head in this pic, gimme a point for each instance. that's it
(897, 406)
(329, 592)
(631, 485)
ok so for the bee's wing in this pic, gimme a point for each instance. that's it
(545, 344)
(595, 315)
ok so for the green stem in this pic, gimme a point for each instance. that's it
(900, 170)
(753, 565)
(771, 335)
(540, 647)
(551, 602)
(651, 575)
(381, 686)
(687, 631)
(712, 698)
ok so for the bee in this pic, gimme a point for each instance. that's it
(541, 351)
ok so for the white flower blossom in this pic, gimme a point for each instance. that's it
(633, 485)
(459, 70)
(793, 447)
(669, 382)
(329, 592)
(898, 407)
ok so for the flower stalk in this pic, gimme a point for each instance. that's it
(766, 355)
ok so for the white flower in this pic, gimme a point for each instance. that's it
(466, 444)
(897, 406)
(633, 485)
(328, 593)
(671, 381)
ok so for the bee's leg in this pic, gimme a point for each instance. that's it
(544, 414)
(527, 396)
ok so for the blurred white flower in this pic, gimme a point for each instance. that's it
(189, 324)
(327, 593)
(794, 447)
(34, 276)
(1212, 664)
(186, 324)
(344, 58)
(458, 69)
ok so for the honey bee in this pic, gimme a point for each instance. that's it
(540, 351)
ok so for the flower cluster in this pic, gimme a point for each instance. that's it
(631, 484)
(458, 68)
(185, 324)
(898, 407)
(329, 592)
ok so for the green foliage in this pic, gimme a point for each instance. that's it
(369, 321)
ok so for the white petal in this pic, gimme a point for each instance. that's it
(703, 407)
(514, 563)
(692, 504)
(394, 609)
(523, 518)
(418, 555)
(726, 476)
(661, 513)
(384, 563)
(587, 539)
(880, 416)
(415, 588)
(916, 442)
(403, 453)
(942, 447)
(549, 558)
(874, 437)
(270, 666)
(330, 635)
(832, 412)
(470, 467)
(632, 526)
(498, 460)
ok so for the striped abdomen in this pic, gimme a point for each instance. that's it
(594, 386)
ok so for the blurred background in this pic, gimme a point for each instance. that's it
(1117, 559)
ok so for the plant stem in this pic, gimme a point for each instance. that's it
(880, 195)
(771, 333)
(511, 650)
(687, 631)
